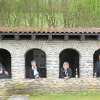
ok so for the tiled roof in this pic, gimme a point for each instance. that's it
(27, 29)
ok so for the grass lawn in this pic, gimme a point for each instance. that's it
(68, 96)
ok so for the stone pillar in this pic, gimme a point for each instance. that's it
(66, 37)
(0, 37)
(86, 63)
(98, 37)
(18, 69)
(82, 37)
(50, 37)
(16, 37)
(33, 37)
(52, 61)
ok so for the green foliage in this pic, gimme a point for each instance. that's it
(50, 13)
(68, 96)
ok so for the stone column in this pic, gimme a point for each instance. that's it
(50, 37)
(0, 37)
(18, 69)
(66, 37)
(16, 37)
(98, 37)
(33, 37)
(82, 37)
(86, 63)
(52, 61)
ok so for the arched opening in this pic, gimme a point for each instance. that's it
(95, 59)
(40, 57)
(72, 57)
(5, 64)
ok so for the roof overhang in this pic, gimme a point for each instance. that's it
(50, 32)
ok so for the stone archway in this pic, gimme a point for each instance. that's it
(5, 63)
(71, 56)
(40, 57)
(95, 58)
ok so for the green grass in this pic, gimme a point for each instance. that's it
(47, 13)
(68, 96)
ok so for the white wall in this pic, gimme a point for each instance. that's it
(52, 50)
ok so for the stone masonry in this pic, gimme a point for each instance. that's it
(18, 48)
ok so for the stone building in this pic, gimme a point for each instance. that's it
(50, 49)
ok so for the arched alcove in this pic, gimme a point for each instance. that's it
(5, 63)
(95, 59)
(71, 56)
(40, 57)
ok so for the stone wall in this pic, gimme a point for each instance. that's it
(18, 48)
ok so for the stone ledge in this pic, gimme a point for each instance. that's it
(51, 85)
